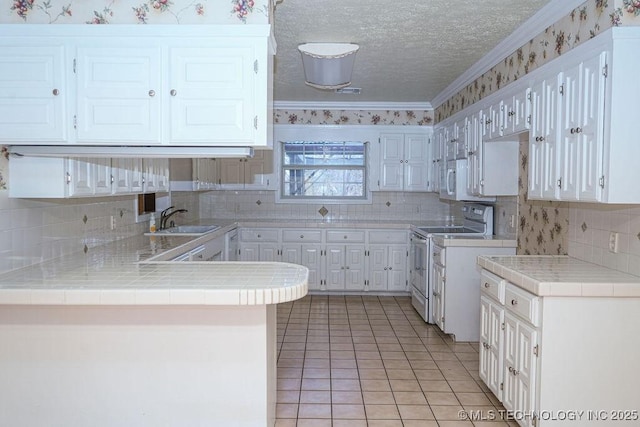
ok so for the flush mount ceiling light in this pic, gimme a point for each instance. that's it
(328, 65)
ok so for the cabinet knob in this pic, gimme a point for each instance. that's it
(345, 237)
(302, 236)
(510, 369)
(487, 285)
(578, 129)
(259, 236)
(385, 268)
(56, 92)
(173, 92)
(152, 93)
(514, 302)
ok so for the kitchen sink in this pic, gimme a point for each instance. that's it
(186, 230)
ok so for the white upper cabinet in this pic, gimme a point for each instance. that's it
(404, 162)
(118, 93)
(136, 85)
(211, 93)
(33, 90)
(255, 173)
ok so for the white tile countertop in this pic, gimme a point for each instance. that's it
(561, 276)
(449, 240)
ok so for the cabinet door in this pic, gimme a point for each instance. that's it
(590, 155)
(334, 267)
(118, 94)
(122, 172)
(438, 295)
(391, 162)
(510, 391)
(204, 174)
(474, 155)
(521, 111)
(416, 163)
(354, 267)
(249, 252)
(231, 173)
(526, 369)
(398, 266)
(495, 350)
(310, 257)
(493, 121)
(291, 254)
(103, 176)
(378, 267)
(269, 252)
(485, 338)
(569, 140)
(211, 93)
(156, 175)
(80, 177)
(33, 94)
(543, 155)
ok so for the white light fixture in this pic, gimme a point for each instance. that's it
(328, 65)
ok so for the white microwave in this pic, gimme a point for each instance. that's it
(453, 182)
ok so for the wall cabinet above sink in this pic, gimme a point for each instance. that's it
(136, 85)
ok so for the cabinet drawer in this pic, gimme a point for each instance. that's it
(311, 236)
(492, 285)
(259, 235)
(522, 303)
(345, 236)
(388, 236)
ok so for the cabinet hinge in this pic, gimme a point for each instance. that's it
(605, 70)
(529, 119)
(68, 178)
(502, 326)
(255, 66)
(74, 65)
(561, 89)
(501, 386)
(255, 122)
(601, 181)
(529, 96)
(378, 183)
(536, 350)
(75, 122)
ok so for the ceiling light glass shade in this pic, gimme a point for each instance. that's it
(328, 65)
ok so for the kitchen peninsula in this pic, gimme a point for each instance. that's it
(100, 339)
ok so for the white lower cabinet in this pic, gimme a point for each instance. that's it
(509, 345)
(353, 260)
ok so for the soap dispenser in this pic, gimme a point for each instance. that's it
(152, 224)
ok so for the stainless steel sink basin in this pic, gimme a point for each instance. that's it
(186, 230)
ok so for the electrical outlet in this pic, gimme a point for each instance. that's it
(113, 222)
(513, 221)
(613, 242)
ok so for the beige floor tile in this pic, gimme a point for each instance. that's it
(404, 385)
(385, 423)
(473, 399)
(314, 423)
(314, 410)
(286, 410)
(423, 364)
(490, 424)
(396, 364)
(315, 373)
(419, 423)
(316, 354)
(419, 348)
(341, 339)
(428, 374)
(410, 398)
(382, 412)
(355, 412)
(290, 363)
(344, 364)
(315, 363)
(316, 384)
(400, 374)
(449, 364)
(389, 347)
(431, 385)
(458, 374)
(289, 372)
(393, 355)
(288, 384)
(415, 412)
(375, 385)
(468, 386)
(437, 355)
(370, 363)
(447, 413)
(346, 397)
(378, 398)
(311, 396)
(454, 423)
(291, 354)
(286, 422)
(317, 346)
(349, 423)
(365, 347)
(373, 374)
(294, 345)
(467, 356)
(345, 385)
(344, 373)
(441, 398)
(288, 396)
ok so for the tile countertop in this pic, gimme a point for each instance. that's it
(113, 275)
(456, 240)
(561, 276)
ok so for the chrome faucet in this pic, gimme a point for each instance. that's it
(166, 214)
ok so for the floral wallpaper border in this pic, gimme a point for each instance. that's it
(138, 12)
(583, 23)
(354, 117)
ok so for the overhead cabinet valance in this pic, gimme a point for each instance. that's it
(178, 85)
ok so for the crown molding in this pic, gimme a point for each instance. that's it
(544, 18)
(368, 106)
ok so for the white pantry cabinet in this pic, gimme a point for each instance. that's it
(404, 162)
(179, 85)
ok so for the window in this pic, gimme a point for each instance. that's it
(324, 170)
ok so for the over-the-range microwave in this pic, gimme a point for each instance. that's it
(453, 182)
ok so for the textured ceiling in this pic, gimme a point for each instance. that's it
(409, 51)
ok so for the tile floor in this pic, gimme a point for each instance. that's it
(373, 362)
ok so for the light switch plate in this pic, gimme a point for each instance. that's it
(613, 242)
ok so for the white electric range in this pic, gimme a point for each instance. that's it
(478, 220)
